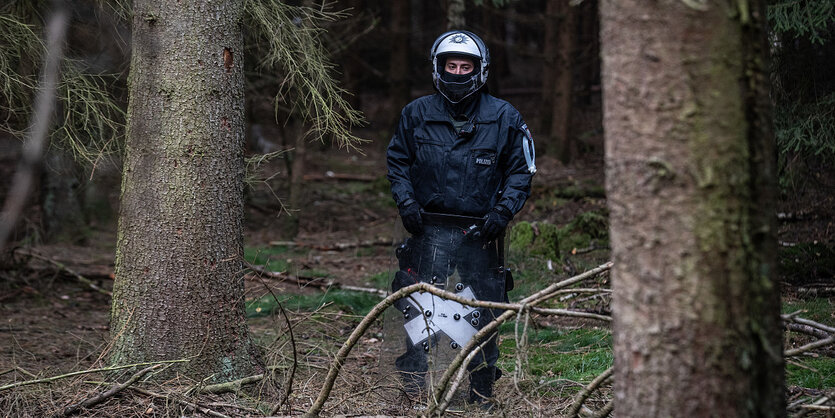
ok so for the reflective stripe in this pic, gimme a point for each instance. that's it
(529, 151)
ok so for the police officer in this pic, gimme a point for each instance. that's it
(461, 151)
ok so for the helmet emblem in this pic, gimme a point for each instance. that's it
(458, 38)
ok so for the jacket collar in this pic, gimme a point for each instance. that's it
(441, 110)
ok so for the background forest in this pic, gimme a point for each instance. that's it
(322, 85)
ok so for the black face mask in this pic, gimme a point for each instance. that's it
(456, 87)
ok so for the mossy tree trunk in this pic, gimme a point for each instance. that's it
(690, 172)
(179, 287)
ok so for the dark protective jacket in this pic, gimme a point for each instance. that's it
(455, 172)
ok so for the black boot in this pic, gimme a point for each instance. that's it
(481, 385)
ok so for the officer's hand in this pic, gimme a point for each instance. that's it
(495, 222)
(410, 215)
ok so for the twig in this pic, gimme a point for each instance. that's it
(566, 312)
(290, 380)
(521, 352)
(805, 409)
(818, 407)
(194, 406)
(792, 317)
(337, 176)
(340, 246)
(72, 272)
(24, 177)
(806, 329)
(316, 282)
(586, 392)
(103, 369)
(459, 378)
(810, 346)
(606, 410)
(233, 386)
(110, 392)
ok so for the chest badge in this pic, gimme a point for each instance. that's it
(484, 161)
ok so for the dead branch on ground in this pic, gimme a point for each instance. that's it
(587, 391)
(190, 405)
(71, 272)
(339, 246)
(81, 372)
(316, 282)
(110, 392)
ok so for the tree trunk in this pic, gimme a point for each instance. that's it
(557, 82)
(455, 14)
(179, 287)
(61, 203)
(400, 90)
(690, 180)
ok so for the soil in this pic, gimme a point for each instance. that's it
(53, 323)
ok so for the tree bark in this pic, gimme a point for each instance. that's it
(61, 203)
(557, 82)
(455, 18)
(179, 288)
(690, 172)
(400, 90)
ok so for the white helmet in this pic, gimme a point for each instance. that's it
(459, 43)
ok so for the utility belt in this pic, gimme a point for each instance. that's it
(471, 225)
(448, 219)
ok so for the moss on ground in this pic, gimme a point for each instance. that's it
(550, 241)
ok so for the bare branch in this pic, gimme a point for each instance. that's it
(810, 346)
(110, 392)
(103, 369)
(587, 391)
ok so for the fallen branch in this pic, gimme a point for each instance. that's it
(459, 378)
(317, 282)
(72, 272)
(587, 391)
(330, 175)
(792, 317)
(567, 312)
(110, 392)
(233, 386)
(606, 410)
(806, 408)
(341, 246)
(810, 346)
(103, 369)
(193, 406)
(806, 329)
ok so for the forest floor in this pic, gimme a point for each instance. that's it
(53, 323)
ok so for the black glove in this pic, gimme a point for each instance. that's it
(495, 222)
(410, 215)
